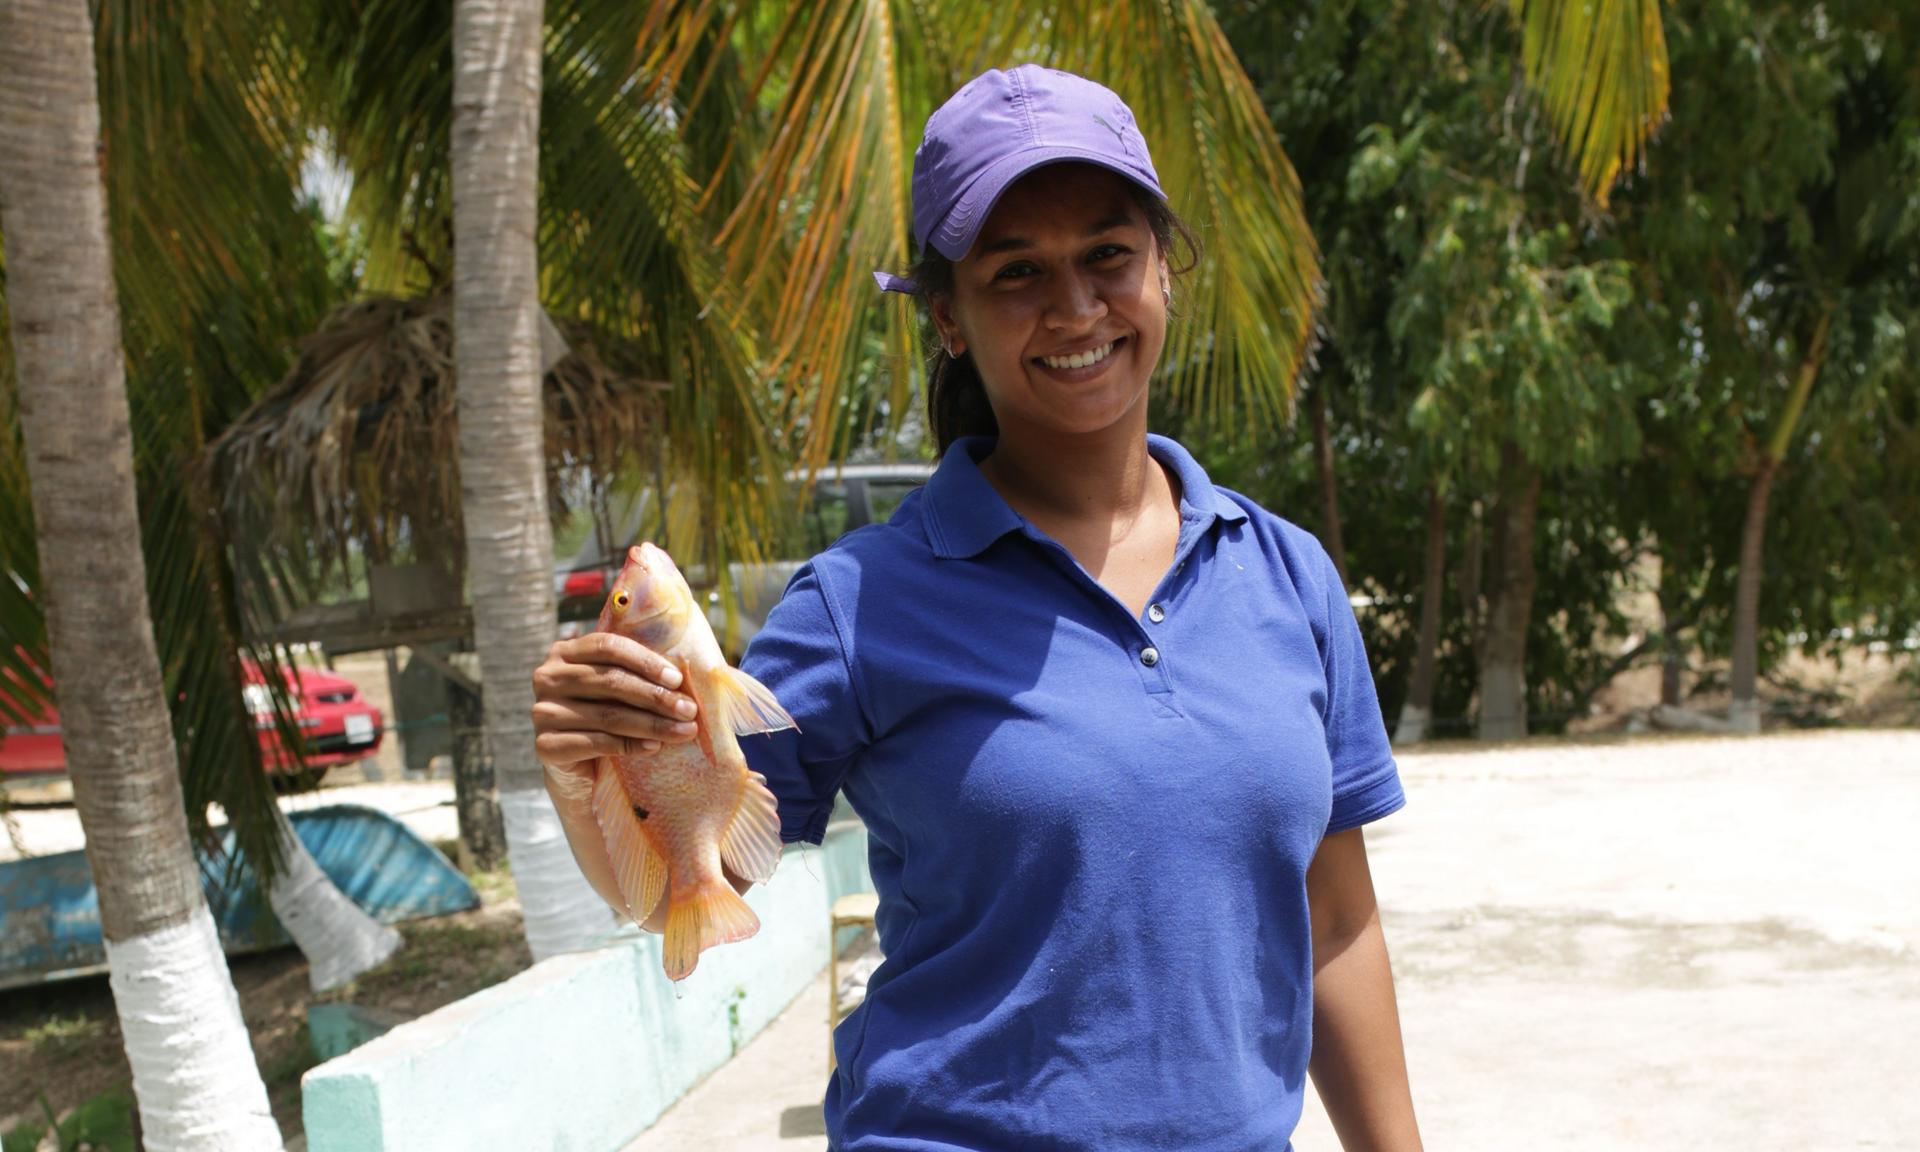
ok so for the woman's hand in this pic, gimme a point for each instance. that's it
(605, 695)
(602, 695)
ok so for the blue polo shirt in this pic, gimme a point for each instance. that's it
(1089, 831)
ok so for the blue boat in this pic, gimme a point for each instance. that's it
(50, 914)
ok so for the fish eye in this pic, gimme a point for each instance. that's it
(621, 599)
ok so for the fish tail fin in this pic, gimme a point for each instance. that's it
(751, 845)
(744, 704)
(639, 870)
(712, 913)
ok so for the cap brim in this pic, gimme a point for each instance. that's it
(954, 236)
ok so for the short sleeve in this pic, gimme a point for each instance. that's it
(1366, 782)
(799, 654)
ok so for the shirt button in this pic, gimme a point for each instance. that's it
(1149, 656)
(1156, 613)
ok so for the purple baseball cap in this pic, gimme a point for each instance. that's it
(1001, 126)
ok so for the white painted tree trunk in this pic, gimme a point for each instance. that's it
(193, 1070)
(497, 354)
(1414, 724)
(562, 912)
(338, 938)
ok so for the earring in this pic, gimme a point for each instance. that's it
(1166, 295)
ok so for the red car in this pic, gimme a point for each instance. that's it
(339, 725)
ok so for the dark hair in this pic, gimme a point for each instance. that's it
(956, 399)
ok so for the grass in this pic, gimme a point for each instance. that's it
(292, 1062)
(57, 1032)
(105, 1121)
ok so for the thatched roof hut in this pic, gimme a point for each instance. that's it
(356, 451)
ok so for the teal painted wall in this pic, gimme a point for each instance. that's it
(583, 1052)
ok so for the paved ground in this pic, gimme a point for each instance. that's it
(1668, 945)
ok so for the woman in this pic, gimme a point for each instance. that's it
(1110, 727)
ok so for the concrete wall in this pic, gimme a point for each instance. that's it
(584, 1051)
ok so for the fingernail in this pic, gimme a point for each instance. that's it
(650, 745)
(684, 729)
(684, 708)
(670, 676)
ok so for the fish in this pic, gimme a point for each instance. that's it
(672, 818)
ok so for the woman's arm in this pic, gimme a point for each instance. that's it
(1358, 1064)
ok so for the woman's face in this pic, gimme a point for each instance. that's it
(1061, 302)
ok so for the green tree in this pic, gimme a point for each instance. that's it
(1467, 316)
(1778, 226)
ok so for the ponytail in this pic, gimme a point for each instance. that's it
(956, 400)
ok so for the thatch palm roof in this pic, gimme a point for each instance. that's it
(359, 445)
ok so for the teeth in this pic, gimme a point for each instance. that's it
(1080, 359)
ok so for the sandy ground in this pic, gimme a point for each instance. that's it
(1667, 945)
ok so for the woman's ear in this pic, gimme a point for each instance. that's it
(941, 306)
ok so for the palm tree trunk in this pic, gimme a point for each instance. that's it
(1503, 654)
(1744, 711)
(496, 301)
(482, 832)
(1673, 656)
(193, 1069)
(1416, 715)
(338, 938)
(1329, 492)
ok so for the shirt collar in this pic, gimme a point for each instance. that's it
(965, 514)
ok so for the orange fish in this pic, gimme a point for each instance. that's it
(671, 818)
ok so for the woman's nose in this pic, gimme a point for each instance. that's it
(1075, 302)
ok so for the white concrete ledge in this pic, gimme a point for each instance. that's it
(584, 1051)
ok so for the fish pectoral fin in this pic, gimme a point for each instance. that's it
(710, 914)
(751, 845)
(640, 871)
(744, 704)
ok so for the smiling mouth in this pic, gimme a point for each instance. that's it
(1085, 359)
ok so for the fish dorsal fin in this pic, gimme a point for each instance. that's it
(751, 846)
(743, 704)
(640, 871)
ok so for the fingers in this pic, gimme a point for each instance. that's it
(612, 668)
(564, 714)
(618, 651)
(566, 750)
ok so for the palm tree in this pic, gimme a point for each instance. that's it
(497, 353)
(192, 1064)
(203, 320)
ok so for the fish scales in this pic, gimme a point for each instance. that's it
(676, 821)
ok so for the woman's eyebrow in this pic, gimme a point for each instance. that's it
(1013, 243)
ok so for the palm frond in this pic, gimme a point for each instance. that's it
(218, 266)
(1247, 320)
(23, 625)
(639, 102)
(1600, 67)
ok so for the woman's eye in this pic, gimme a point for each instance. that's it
(1014, 271)
(1106, 252)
